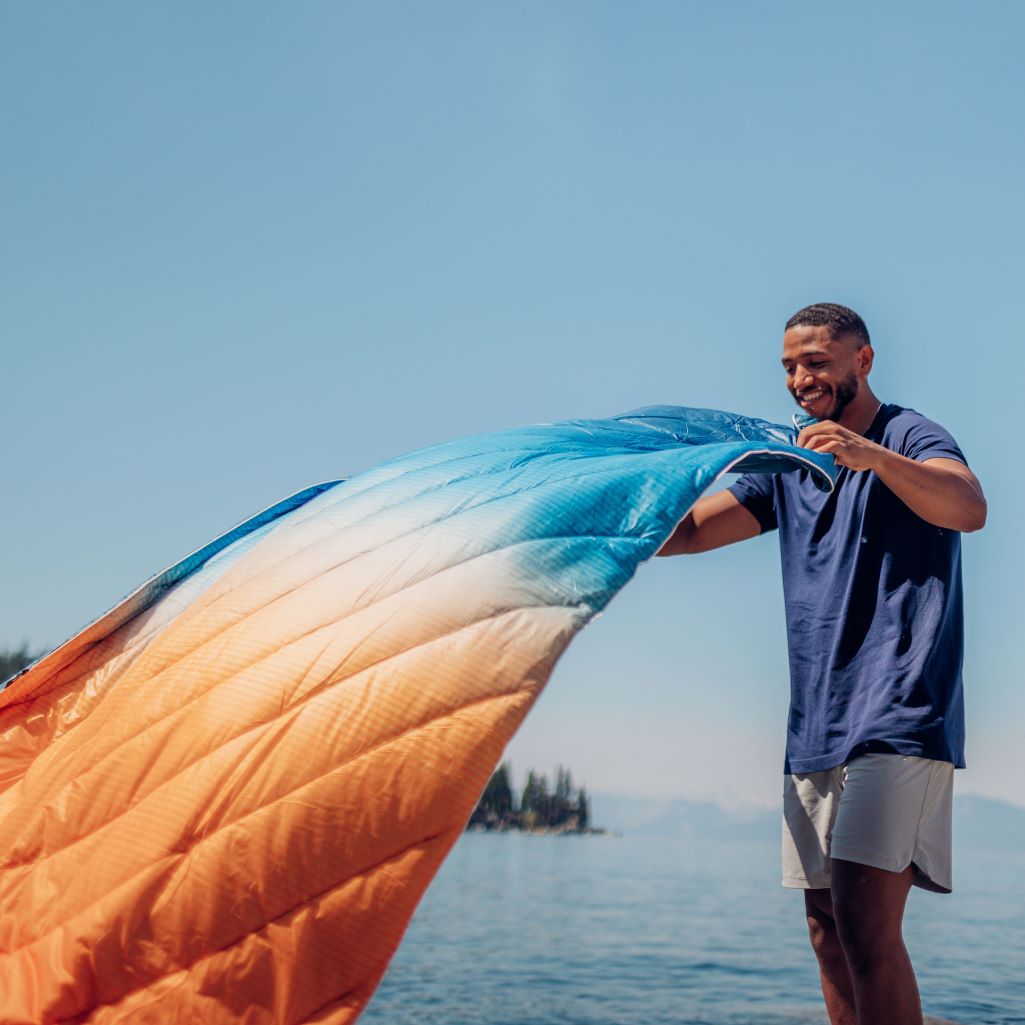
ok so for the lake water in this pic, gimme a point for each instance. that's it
(596, 930)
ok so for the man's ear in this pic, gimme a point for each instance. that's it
(866, 355)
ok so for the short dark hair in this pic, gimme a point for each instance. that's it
(841, 321)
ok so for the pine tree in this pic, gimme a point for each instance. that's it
(529, 810)
(529, 800)
(563, 783)
(583, 810)
(498, 794)
(543, 801)
(495, 807)
(562, 800)
(14, 659)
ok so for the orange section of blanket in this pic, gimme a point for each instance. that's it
(231, 818)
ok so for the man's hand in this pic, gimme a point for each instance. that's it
(847, 448)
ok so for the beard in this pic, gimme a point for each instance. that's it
(843, 395)
(846, 392)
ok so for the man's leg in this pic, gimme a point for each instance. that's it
(825, 941)
(810, 802)
(868, 906)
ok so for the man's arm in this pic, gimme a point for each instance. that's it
(943, 492)
(715, 520)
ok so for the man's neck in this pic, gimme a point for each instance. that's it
(858, 416)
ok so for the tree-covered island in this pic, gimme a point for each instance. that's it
(539, 810)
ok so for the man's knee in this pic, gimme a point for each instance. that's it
(822, 932)
(861, 936)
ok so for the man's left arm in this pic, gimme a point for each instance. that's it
(943, 492)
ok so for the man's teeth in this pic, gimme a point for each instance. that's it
(811, 396)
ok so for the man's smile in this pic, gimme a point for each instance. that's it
(811, 396)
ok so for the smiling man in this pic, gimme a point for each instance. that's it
(872, 587)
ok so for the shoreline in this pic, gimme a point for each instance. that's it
(544, 830)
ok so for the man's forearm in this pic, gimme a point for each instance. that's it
(716, 520)
(942, 496)
(679, 541)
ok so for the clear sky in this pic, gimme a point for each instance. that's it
(246, 247)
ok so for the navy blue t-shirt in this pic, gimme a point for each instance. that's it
(873, 608)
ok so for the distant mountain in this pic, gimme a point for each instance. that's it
(985, 824)
(679, 818)
(979, 822)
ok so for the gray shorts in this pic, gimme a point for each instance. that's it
(884, 810)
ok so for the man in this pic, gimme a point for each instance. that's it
(872, 585)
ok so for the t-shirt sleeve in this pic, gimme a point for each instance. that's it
(756, 494)
(924, 439)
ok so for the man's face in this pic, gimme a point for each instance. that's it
(824, 374)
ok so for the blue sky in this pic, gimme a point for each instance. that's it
(251, 246)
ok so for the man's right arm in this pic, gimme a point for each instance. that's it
(715, 520)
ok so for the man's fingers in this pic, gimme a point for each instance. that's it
(819, 430)
(822, 443)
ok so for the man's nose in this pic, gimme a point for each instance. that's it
(801, 378)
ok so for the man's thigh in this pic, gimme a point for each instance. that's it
(810, 804)
(895, 813)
